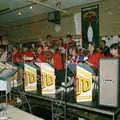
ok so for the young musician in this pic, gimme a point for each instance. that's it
(28, 55)
(16, 55)
(93, 55)
(40, 55)
(114, 50)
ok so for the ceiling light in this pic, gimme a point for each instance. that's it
(31, 7)
(19, 13)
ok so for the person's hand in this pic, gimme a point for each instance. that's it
(95, 78)
(38, 60)
(89, 63)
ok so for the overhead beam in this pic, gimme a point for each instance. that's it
(13, 10)
(46, 5)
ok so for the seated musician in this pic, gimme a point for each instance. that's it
(16, 55)
(76, 58)
(93, 59)
(93, 56)
(28, 54)
(40, 55)
(73, 60)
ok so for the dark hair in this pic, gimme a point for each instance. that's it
(24, 45)
(69, 36)
(40, 46)
(49, 36)
(29, 47)
(15, 46)
(93, 44)
(114, 46)
(61, 39)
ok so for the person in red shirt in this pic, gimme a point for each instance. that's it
(50, 41)
(70, 41)
(57, 60)
(28, 55)
(16, 55)
(40, 55)
(114, 50)
(57, 63)
(93, 56)
(61, 43)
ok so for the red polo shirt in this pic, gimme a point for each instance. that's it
(16, 56)
(94, 59)
(41, 57)
(57, 59)
(29, 54)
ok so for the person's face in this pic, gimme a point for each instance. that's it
(74, 53)
(113, 51)
(14, 49)
(39, 50)
(25, 49)
(90, 48)
(60, 42)
(68, 39)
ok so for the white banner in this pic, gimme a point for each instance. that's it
(77, 20)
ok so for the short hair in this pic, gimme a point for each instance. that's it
(49, 36)
(15, 46)
(25, 45)
(114, 46)
(40, 46)
(93, 44)
(69, 36)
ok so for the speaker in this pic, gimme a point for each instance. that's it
(54, 17)
(109, 70)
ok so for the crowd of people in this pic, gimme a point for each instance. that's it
(58, 53)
